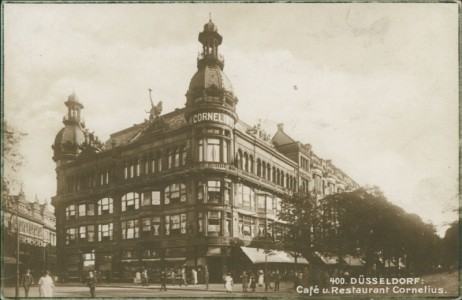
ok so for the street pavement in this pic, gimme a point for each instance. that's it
(124, 290)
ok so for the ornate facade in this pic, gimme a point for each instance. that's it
(189, 187)
(37, 236)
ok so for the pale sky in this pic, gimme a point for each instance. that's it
(377, 84)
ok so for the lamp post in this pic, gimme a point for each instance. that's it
(15, 226)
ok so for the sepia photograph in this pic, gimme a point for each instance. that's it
(216, 150)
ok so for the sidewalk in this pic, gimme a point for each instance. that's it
(284, 287)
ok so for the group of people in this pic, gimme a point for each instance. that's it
(269, 280)
(45, 284)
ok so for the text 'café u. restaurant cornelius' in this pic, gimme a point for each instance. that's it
(193, 187)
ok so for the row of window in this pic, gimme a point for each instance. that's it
(211, 191)
(264, 170)
(148, 227)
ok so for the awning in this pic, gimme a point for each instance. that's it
(175, 258)
(328, 259)
(258, 256)
(353, 261)
(10, 260)
(150, 259)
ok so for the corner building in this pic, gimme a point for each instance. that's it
(186, 188)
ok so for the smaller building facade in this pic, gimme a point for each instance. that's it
(37, 236)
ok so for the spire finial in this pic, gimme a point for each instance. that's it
(210, 16)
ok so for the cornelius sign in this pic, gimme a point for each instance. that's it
(212, 117)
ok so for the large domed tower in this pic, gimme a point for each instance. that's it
(69, 139)
(210, 90)
(211, 104)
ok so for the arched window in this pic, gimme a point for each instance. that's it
(258, 167)
(245, 162)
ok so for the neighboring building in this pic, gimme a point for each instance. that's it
(37, 236)
(189, 187)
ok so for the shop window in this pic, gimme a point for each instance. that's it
(88, 261)
(130, 229)
(175, 193)
(130, 201)
(105, 206)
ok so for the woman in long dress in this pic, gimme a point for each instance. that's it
(260, 278)
(229, 283)
(46, 285)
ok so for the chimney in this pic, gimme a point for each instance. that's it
(281, 126)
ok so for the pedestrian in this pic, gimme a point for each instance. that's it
(27, 281)
(206, 277)
(252, 283)
(277, 280)
(194, 275)
(137, 278)
(229, 283)
(91, 283)
(245, 281)
(46, 286)
(183, 277)
(260, 277)
(144, 278)
(163, 281)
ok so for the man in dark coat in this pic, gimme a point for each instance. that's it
(27, 281)
(91, 283)
(163, 281)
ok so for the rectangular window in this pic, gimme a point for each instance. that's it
(214, 220)
(200, 191)
(200, 222)
(71, 236)
(130, 201)
(82, 232)
(70, 212)
(146, 199)
(105, 206)
(213, 150)
(214, 191)
(261, 202)
(156, 226)
(146, 227)
(175, 193)
(155, 197)
(105, 232)
(130, 229)
(247, 197)
(227, 192)
(175, 224)
(90, 233)
(238, 195)
(82, 210)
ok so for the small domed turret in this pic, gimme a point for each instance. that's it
(68, 139)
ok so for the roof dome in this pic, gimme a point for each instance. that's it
(210, 78)
(210, 26)
(70, 135)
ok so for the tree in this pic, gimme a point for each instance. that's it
(301, 213)
(12, 158)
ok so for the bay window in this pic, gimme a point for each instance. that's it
(213, 221)
(70, 212)
(213, 149)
